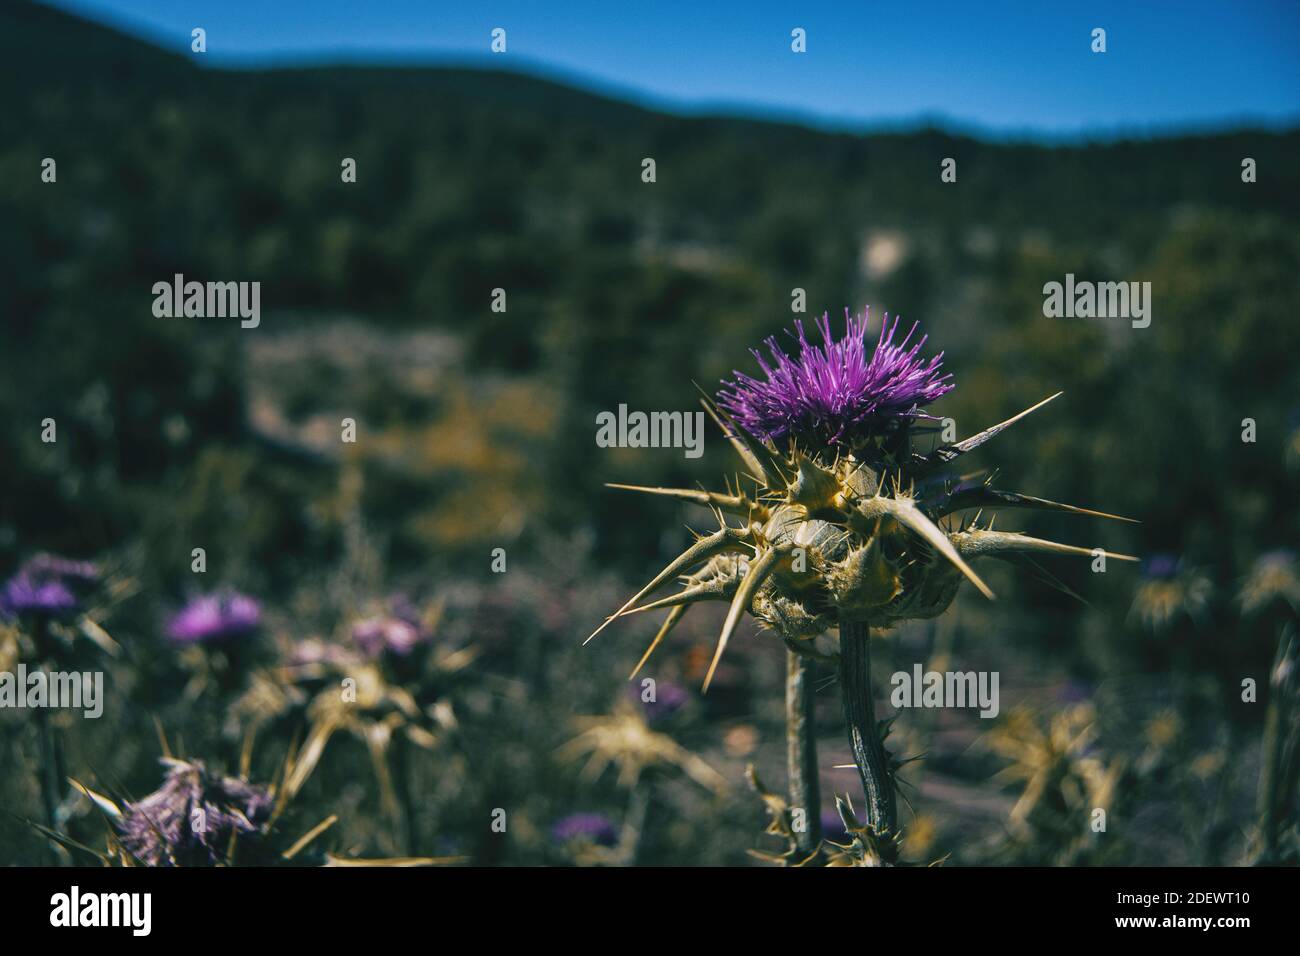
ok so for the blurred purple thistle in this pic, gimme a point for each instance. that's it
(834, 390)
(398, 632)
(215, 617)
(669, 700)
(1160, 567)
(590, 827)
(190, 819)
(375, 635)
(46, 584)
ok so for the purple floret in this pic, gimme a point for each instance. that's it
(215, 617)
(837, 391)
(591, 827)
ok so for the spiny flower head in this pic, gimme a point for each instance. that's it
(191, 818)
(848, 525)
(837, 392)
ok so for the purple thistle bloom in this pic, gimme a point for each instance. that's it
(375, 635)
(834, 390)
(1160, 567)
(398, 632)
(313, 652)
(50, 565)
(669, 699)
(164, 828)
(45, 585)
(590, 827)
(26, 595)
(215, 617)
(1073, 692)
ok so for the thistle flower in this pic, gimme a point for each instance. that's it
(585, 827)
(1272, 578)
(1170, 589)
(844, 526)
(66, 569)
(669, 700)
(624, 739)
(199, 817)
(1160, 567)
(215, 618)
(836, 390)
(193, 817)
(25, 595)
(47, 585)
(314, 655)
(1064, 775)
(397, 632)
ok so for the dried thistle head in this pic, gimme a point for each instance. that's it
(837, 515)
(1064, 775)
(625, 740)
(1272, 578)
(195, 818)
(1171, 590)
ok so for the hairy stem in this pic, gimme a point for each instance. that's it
(864, 738)
(801, 750)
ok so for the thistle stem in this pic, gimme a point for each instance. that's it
(1277, 781)
(864, 737)
(405, 802)
(801, 751)
(51, 772)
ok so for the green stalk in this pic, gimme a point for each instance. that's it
(801, 751)
(864, 737)
(1277, 777)
(401, 772)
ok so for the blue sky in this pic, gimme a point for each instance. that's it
(1007, 67)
